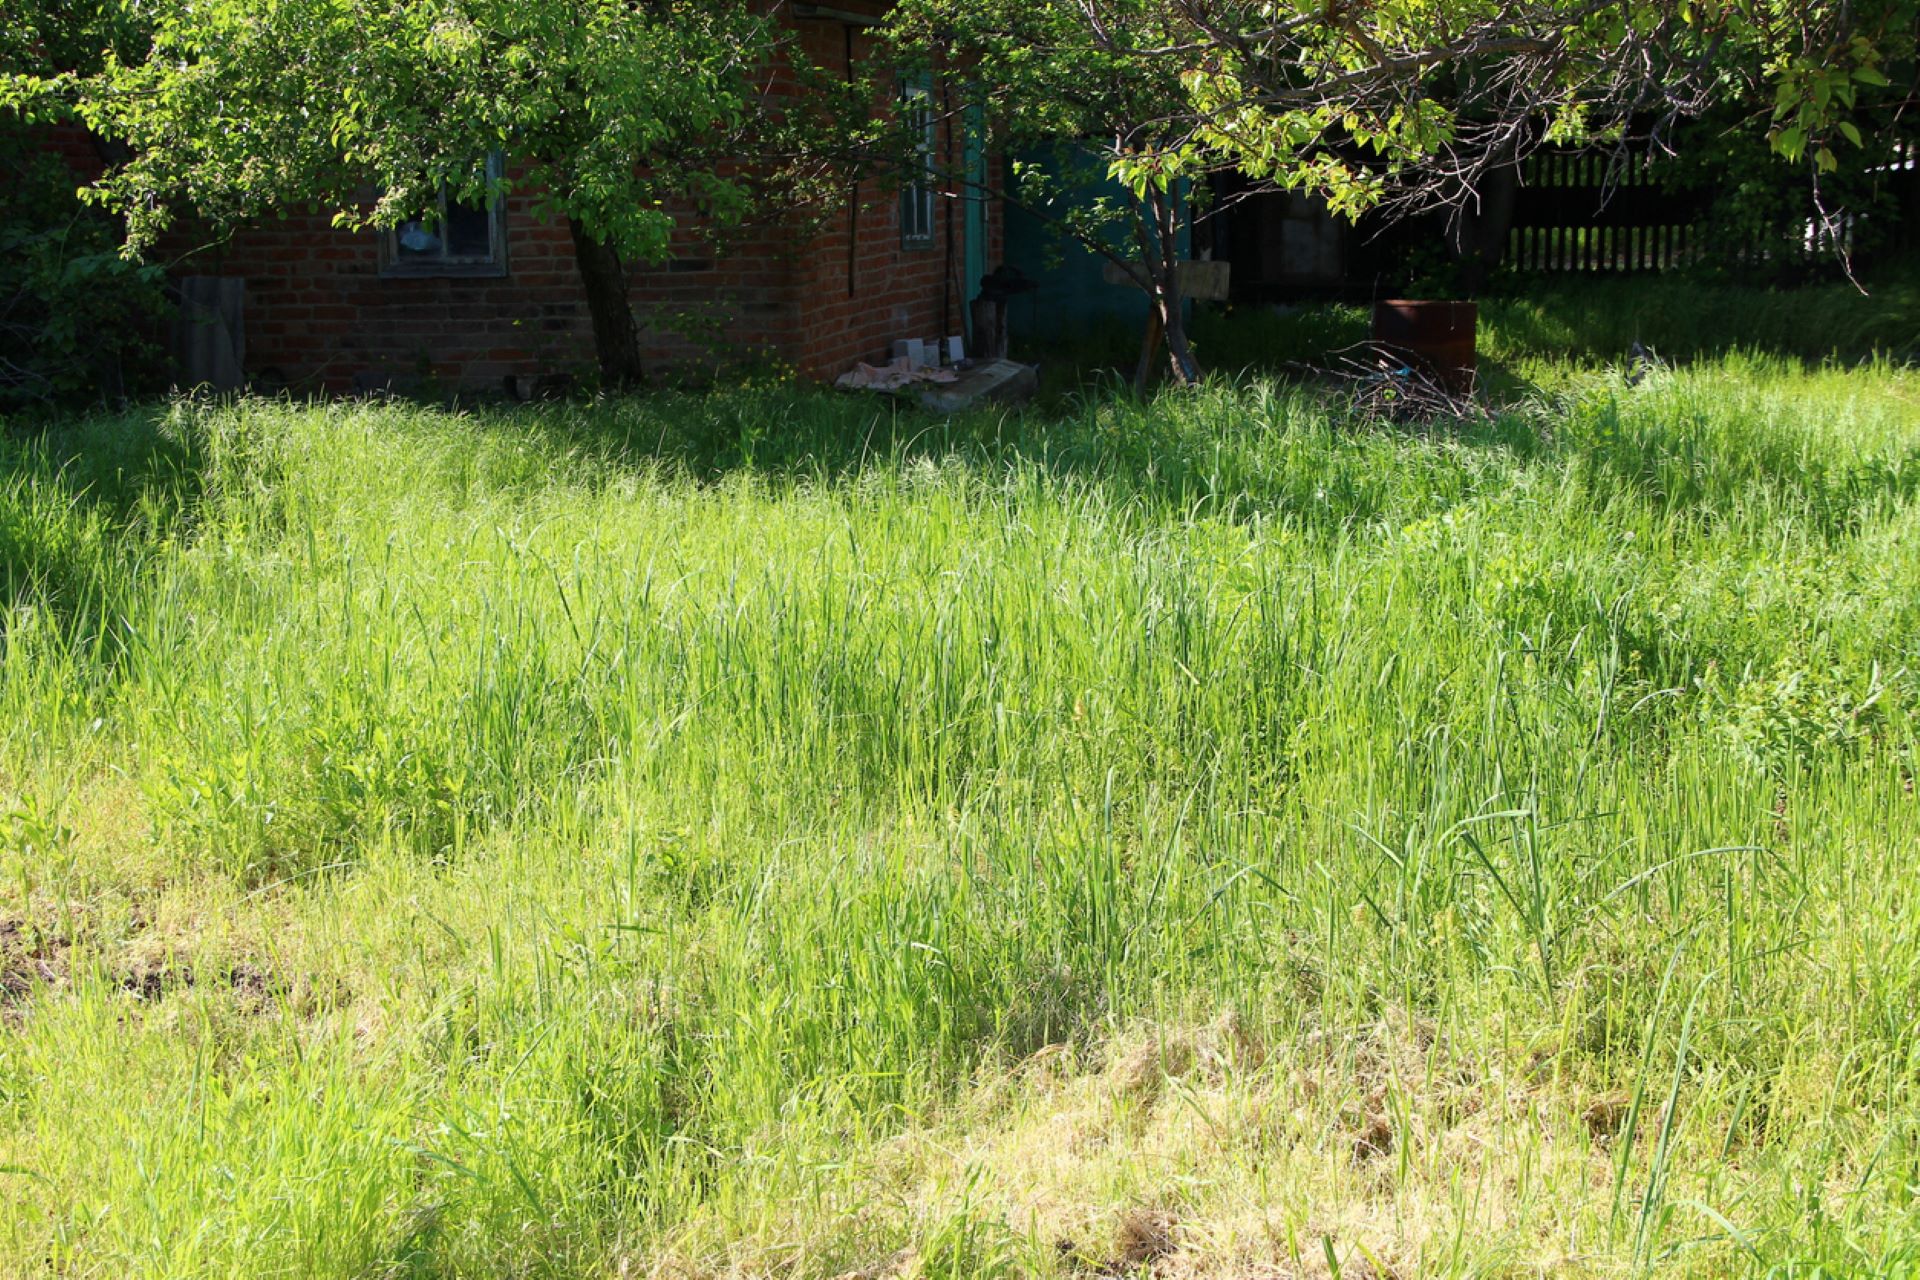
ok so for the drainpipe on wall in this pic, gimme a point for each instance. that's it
(848, 21)
(946, 275)
(853, 192)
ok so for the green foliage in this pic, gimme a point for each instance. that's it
(44, 45)
(1390, 108)
(77, 320)
(1752, 202)
(628, 121)
(619, 116)
(1352, 103)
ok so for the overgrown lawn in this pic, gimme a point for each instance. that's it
(760, 834)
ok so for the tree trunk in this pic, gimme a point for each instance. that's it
(1166, 337)
(1151, 344)
(1166, 319)
(616, 336)
(1186, 370)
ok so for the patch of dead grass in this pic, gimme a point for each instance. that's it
(1208, 1152)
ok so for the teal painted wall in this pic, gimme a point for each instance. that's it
(1072, 300)
(976, 266)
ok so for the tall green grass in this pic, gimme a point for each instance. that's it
(654, 836)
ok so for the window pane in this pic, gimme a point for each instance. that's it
(458, 239)
(469, 231)
(417, 240)
(917, 192)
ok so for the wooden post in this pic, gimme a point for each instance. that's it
(1149, 349)
(989, 329)
(1206, 281)
(210, 334)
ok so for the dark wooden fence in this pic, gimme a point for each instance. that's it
(1902, 179)
(1599, 211)
(1574, 212)
(1602, 212)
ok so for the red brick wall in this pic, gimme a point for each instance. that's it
(320, 315)
(860, 287)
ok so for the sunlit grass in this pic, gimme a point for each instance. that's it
(759, 834)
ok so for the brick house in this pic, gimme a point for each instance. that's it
(492, 296)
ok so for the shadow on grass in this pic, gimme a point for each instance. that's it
(1239, 449)
(1705, 470)
(1528, 321)
(70, 496)
(148, 464)
(1244, 445)
(1232, 450)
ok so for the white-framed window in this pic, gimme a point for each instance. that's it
(460, 239)
(917, 193)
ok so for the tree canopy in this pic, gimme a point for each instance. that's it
(1403, 104)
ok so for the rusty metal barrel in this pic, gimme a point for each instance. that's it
(1435, 337)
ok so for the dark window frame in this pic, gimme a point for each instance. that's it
(919, 221)
(396, 265)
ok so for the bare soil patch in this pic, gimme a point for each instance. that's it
(28, 961)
